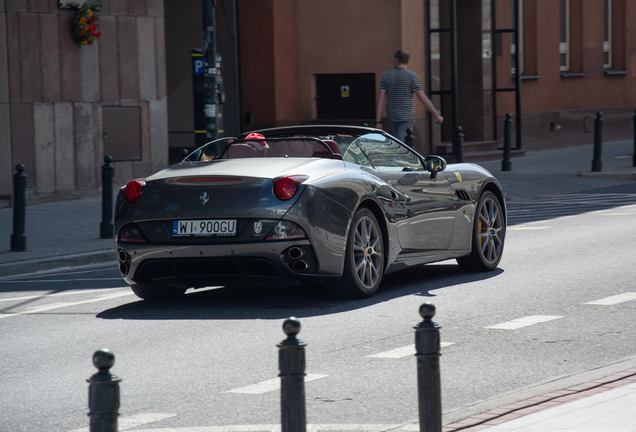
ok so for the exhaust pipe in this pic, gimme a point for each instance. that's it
(300, 266)
(123, 269)
(122, 256)
(295, 253)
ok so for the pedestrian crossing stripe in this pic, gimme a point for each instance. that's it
(524, 322)
(614, 300)
(408, 350)
(270, 385)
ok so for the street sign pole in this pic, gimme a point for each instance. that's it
(210, 74)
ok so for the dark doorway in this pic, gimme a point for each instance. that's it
(345, 96)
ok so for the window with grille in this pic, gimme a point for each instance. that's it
(564, 42)
(607, 39)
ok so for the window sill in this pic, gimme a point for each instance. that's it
(529, 77)
(566, 74)
(612, 72)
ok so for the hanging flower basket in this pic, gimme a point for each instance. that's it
(85, 26)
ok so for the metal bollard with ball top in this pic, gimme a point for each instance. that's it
(18, 238)
(106, 228)
(427, 348)
(103, 393)
(291, 363)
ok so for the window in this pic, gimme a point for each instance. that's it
(607, 39)
(388, 155)
(564, 42)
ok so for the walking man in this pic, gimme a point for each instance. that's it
(398, 85)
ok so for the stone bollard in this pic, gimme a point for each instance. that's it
(106, 228)
(458, 145)
(506, 165)
(427, 348)
(409, 138)
(291, 363)
(597, 163)
(103, 393)
(18, 238)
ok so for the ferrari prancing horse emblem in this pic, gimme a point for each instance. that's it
(459, 176)
(204, 198)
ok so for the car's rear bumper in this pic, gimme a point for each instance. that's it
(263, 263)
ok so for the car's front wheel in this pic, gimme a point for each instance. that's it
(152, 292)
(489, 232)
(364, 258)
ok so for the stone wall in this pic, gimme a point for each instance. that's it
(57, 90)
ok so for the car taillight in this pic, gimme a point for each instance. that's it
(286, 187)
(133, 191)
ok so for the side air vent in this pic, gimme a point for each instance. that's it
(462, 195)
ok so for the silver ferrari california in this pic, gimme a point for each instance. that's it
(335, 205)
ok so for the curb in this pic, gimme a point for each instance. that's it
(16, 268)
(620, 176)
(539, 403)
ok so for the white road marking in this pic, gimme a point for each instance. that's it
(66, 304)
(276, 428)
(526, 228)
(269, 385)
(61, 294)
(620, 298)
(524, 322)
(57, 280)
(135, 420)
(403, 351)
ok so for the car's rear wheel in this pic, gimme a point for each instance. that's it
(152, 292)
(364, 259)
(489, 232)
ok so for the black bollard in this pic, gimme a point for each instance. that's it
(18, 238)
(108, 174)
(408, 139)
(458, 145)
(427, 348)
(103, 394)
(597, 163)
(634, 163)
(291, 363)
(506, 165)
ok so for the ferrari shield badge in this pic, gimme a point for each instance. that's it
(459, 176)
(258, 227)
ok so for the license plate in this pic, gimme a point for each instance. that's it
(204, 228)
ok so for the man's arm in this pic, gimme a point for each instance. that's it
(429, 105)
(378, 109)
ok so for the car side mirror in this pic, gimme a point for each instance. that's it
(434, 164)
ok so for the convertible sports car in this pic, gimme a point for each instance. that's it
(336, 205)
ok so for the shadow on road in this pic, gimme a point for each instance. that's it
(301, 302)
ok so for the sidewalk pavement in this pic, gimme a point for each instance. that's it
(65, 234)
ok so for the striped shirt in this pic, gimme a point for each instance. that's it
(400, 84)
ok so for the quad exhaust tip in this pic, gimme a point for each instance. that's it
(122, 256)
(295, 253)
(300, 266)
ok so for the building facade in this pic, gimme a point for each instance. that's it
(131, 95)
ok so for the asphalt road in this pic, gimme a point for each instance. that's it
(209, 359)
